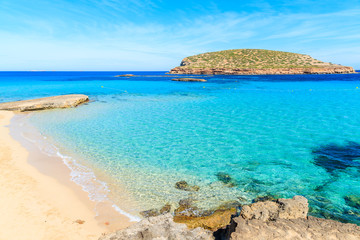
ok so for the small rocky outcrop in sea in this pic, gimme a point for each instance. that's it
(62, 101)
(125, 75)
(161, 227)
(183, 185)
(188, 80)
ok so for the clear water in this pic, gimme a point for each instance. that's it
(274, 135)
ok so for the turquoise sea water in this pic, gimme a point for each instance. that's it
(274, 135)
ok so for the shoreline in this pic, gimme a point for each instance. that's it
(39, 200)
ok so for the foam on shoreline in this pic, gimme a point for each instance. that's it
(80, 180)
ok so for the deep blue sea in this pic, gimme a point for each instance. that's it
(273, 135)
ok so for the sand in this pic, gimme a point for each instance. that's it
(37, 206)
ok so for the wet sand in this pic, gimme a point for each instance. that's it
(39, 201)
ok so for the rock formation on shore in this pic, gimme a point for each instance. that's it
(281, 219)
(62, 101)
(256, 62)
(161, 227)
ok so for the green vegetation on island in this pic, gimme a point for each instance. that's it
(252, 58)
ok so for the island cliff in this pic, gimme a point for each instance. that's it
(256, 62)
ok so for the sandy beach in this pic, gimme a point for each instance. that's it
(34, 205)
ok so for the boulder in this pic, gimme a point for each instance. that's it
(62, 101)
(213, 220)
(294, 208)
(160, 228)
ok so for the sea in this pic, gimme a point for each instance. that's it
(235, 137)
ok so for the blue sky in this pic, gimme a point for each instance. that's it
(157, 34)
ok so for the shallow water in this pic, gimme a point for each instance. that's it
(274, 135)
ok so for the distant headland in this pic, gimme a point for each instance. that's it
(256, 62)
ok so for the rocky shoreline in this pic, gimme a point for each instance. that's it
(265, 71)
(283, 219)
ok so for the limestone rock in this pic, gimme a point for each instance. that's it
(188, 80)
(62, 101)
(194, 217)
(159, 228)
(293, 229)
(218, 219)
(150, 213)
(286, 219)
(294, 208)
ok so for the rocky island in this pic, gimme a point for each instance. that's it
(62, 101)
(256, 62)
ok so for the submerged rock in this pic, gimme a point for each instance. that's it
(62, 101)
(161, 227)
(226, 179)
(183, 185)
(336, 157)
(353, 201)
(156, 212)
(150, 213)
(264, 199)
(165, 209)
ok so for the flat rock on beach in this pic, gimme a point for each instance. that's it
(62, 101)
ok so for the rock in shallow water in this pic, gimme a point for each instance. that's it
(161, 228)
(334, 157)
(63, 101)
(194, 217)
(183, 185)
(226, 179)
(353, 201)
